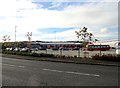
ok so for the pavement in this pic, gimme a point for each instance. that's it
(64, 60)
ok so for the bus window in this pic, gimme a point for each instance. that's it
(104, 46)
(92, 46)
(98, 46)
(95, 46)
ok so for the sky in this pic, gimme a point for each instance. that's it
(57, 20)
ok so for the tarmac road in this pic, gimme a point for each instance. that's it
(16, 72)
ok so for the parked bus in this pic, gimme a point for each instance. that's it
(98, 47)
(59, 45)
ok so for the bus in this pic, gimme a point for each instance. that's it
(59, 45)
(98, 47)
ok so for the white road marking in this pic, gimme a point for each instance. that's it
(71, 72)
(52, 70)
(21, 66)
(14, 65)
(82, 73)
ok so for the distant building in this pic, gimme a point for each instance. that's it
(112, 43)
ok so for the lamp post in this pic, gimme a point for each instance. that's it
(15, 36)
(15, 33)
(55, 35)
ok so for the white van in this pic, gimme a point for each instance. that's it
(118, 50)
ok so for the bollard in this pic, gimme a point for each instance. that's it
(61, 52)
(84, 56)
(46, 51)
(79, 53)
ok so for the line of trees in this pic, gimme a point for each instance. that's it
(82, 34)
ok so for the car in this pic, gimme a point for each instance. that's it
(16, 49)
(34, 49)
(9, 49)
(113, 48)
(24, 49)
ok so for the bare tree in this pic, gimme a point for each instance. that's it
(84, 34)
(96, 40)
(29, 35)
(5, 39)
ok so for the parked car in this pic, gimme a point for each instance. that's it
(34, 49)
(24, 49)
(9, 49)
(16, 49)
(113, 48)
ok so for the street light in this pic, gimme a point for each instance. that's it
(15, 36)
(55, 35)
(15, 33)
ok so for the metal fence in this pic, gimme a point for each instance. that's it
(78, 53)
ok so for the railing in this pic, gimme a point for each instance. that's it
(78, 53)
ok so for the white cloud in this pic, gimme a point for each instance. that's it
(76, 0)
(104, 30)
(28, 17)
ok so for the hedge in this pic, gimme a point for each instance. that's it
(108, 57)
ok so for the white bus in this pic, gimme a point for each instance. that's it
(117, 47)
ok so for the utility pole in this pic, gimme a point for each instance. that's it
(55, 35)
(15, 36)
(15, 33)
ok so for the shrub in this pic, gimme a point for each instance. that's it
(75, 56)
(108, 57)
(34, 54)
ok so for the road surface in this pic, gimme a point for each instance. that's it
(16, 72)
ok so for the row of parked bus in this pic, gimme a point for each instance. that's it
(61, 46)
(71, 46)
(58, 46)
